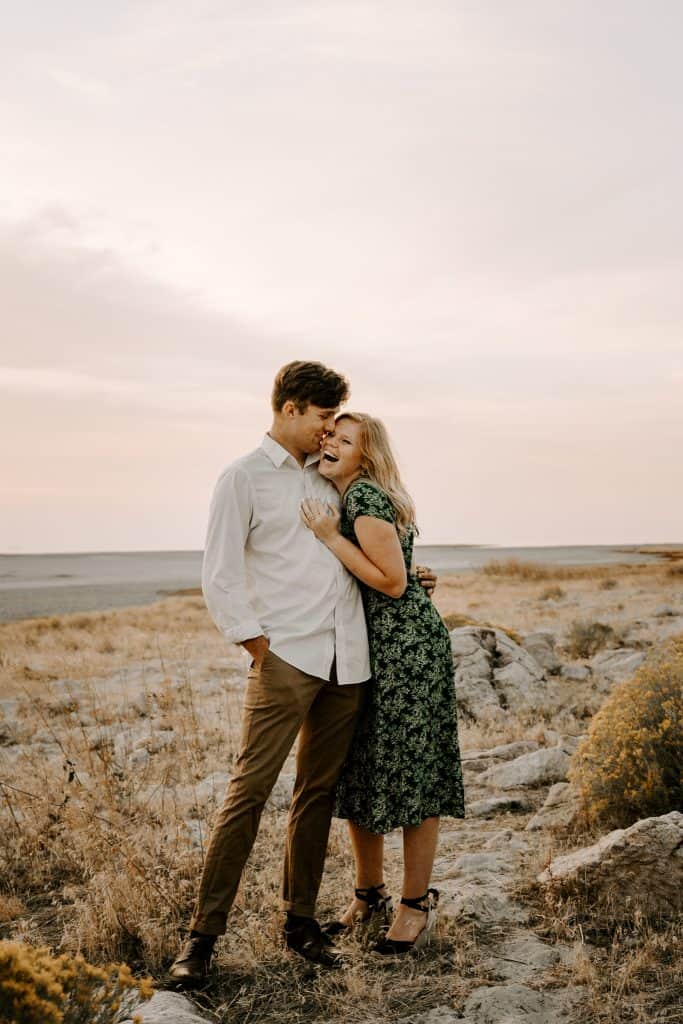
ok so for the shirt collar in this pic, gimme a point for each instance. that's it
(277, 454)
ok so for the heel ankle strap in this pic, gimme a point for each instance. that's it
(371, 894)
(416, 903)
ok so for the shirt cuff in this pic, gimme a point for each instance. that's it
(247, 630)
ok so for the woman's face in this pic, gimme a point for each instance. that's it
(340, 460)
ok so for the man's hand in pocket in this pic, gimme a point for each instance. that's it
(257, 647)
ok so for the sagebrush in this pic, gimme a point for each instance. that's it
(630, 765)
(37, 988)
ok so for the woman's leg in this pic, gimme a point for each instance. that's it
(419, 848)
(368, 853)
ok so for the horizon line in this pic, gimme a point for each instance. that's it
(428, 544)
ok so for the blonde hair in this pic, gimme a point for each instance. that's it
(378, 465)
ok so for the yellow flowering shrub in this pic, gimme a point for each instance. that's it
(630, 765)
(37, 988)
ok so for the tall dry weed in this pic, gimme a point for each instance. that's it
(515, 568)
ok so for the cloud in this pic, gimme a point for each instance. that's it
(78, 317)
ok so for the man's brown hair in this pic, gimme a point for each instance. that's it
(305, 383)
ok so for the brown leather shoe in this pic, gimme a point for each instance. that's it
(303, 936)
(191, 967)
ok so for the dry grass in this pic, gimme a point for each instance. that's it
(632, 972)
(586, 638)
(514, 568)
(102, 832)
(100, 846)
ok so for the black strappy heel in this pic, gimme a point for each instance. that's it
(398, 947)
(379, 907)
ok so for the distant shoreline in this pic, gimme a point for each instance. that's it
(648, 547)
(39, 586)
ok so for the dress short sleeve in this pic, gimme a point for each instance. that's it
(366, 499)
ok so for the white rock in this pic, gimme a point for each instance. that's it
(168, 1008)
(644, 863)
(508, 839)
(518, 1004)
(617, 665)
(523, 956)
(482, 905)
(490, 806)
(504, 752)
(576, 673)
(541, 646)
(559, 810)
(570, 743)
(493, 673)
(474, 886)
(437, 1015)
(538, 768)
(476, 863)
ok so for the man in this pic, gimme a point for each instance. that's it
(272, 587)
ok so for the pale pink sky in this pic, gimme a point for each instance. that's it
(473, 210)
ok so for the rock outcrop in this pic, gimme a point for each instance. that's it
(559, 810)
(617, 665)
(505, 1004)
(537, 768)
(643, 864)
(541, 646)
(493, 674)
(167, 1008)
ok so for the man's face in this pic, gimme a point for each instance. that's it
(310, 427)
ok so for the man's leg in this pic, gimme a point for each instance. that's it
(324, 741)
(276, 703)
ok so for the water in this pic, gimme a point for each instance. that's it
(38, 585)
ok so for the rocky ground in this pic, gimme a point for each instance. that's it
(131, 718)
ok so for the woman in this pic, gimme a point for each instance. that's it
(404, 765)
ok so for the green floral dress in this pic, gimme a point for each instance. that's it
(404, 762)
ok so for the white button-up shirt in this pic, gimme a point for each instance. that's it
(265, 573)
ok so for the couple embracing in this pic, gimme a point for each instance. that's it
(309, 566)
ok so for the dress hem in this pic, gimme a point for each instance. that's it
(412, 823)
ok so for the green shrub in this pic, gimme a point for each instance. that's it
(630, 765)
(37, 988)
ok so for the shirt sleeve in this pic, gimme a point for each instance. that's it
(365, 499)
(224, 577)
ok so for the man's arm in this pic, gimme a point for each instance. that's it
(224, 578)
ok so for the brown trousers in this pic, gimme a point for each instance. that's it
(280, 702)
